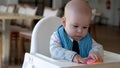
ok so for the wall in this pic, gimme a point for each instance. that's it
(100, 5)
(57, 4)
(12, 2)
(48, 3)
(112, 14)
(2, 1)
(117, 14)
(8, 1)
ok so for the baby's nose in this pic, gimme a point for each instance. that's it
(79, 30)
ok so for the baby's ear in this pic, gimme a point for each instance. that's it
(63, 21)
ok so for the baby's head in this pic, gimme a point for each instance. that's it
(76, 19)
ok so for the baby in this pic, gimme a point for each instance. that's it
(72, 40)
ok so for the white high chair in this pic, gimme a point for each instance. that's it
(42, 32)
(39, 56)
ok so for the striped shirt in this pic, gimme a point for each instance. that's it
(57, 52)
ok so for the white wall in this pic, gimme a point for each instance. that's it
(57, 4)
(8, 1)
(2, 1)
(12, 2)
(112, 14)
(117, 14)
(100, 5)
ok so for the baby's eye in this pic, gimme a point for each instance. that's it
(85, 27)
(75, 26)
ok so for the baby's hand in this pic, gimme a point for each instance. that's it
(91, 61)
(96, 56)
(78, 59)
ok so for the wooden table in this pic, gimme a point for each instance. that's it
(6, 31)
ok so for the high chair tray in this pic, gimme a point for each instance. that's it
(111, 60)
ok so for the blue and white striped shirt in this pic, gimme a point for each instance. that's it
(57, 52)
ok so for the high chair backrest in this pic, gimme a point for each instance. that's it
(42, 33)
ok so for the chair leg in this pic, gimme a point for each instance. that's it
(20, 49)
(22, 46)
(13, 47)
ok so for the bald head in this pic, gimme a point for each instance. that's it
(77, 7)
(76, 19)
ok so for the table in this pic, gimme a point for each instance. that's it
(5, 31)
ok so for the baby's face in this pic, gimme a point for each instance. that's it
(77, 27)
(76, 19)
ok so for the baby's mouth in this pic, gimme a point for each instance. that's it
(78, 38)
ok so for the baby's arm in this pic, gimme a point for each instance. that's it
(57, 51)
(96, 51)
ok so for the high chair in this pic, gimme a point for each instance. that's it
(39, 56)
(25, 36)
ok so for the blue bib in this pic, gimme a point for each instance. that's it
(85, 44)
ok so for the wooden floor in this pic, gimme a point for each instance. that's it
(108, 36)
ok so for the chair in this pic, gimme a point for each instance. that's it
(30, 11)
(50, 12)
(11, 8)
(39, 56)
(3, 8)
(42, 32)
(22, 11)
